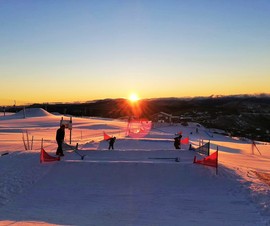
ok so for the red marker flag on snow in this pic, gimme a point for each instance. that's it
(211, 160)
(106, 136)
(185, 141)
(45, 157)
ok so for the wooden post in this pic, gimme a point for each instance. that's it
(24, 142)
(27, 137)
(41, 143)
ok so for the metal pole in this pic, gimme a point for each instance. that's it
(70, 129)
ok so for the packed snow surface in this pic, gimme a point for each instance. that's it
(138, 183)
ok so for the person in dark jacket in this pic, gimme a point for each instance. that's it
(60, 136)
(111, 142)
(177, 142)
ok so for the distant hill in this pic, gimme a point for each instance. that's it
(241, 115)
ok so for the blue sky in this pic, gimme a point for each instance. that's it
(84, 50)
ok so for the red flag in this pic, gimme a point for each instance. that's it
(185, 141)
(211, 160)
(106, 136)
(45, 157)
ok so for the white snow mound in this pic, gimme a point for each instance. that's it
(32, 112)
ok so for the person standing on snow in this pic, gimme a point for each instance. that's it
(177, 142)
(60, 136)
(180, 137)
(111, 142)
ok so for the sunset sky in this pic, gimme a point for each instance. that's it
(81, 50)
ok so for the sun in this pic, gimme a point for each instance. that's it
(133, 97)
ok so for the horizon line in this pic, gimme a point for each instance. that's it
(141, 99)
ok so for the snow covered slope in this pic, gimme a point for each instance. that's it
(138, 183)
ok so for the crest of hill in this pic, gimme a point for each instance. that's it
(32, 112)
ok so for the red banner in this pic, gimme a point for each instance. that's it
(45, 157)
(211, 160)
